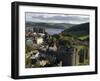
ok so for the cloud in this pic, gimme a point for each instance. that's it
(56, 18)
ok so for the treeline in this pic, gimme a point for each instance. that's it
(49, 25)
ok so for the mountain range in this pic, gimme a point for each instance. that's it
(49, 25)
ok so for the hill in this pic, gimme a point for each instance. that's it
(78, 30)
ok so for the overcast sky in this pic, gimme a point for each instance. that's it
(56, 18)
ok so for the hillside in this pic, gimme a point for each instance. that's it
(78, 30)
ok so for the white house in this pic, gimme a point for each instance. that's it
(39, 40)
(54, 48)
(41, 34)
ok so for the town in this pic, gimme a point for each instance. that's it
(44, 50)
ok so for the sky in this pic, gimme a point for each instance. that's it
(56, 18)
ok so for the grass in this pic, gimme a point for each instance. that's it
(83, 37)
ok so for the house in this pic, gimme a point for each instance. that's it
(39, 40)
(53, 48)
(29, 42)
(41, 34)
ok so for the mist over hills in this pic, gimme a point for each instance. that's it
(49, 25)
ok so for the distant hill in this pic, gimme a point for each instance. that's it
(49, 25)
(78, 30)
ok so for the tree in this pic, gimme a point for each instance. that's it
(29, 48)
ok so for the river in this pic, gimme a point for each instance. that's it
(53, 31)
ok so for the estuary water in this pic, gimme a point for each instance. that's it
(53, 31)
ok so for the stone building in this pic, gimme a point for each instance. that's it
(73, 57)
